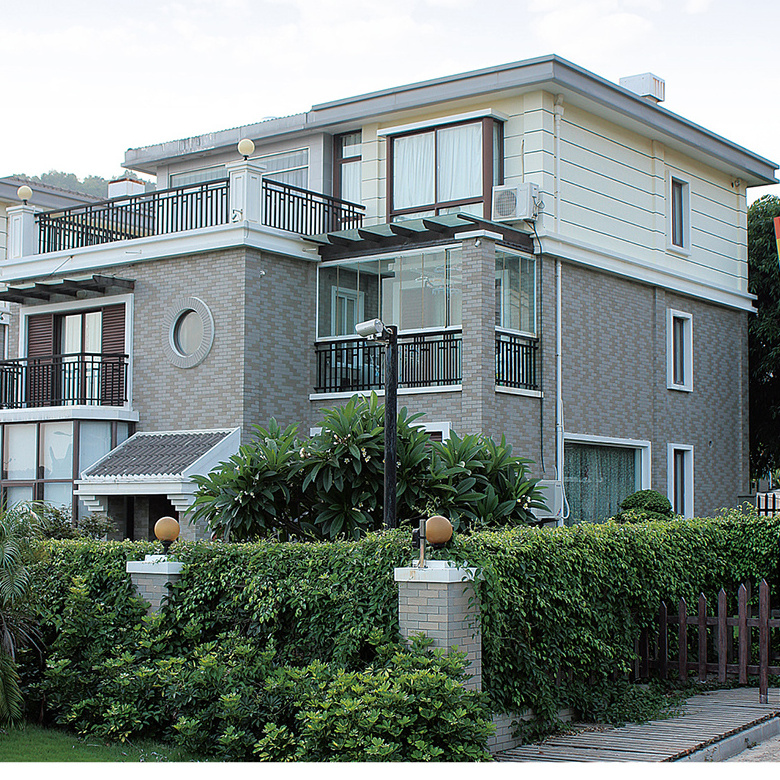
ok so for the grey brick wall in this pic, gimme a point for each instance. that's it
(445, 613)
(153, 588)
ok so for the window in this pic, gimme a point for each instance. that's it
(39, 462)
(290, 167)
(347, 167)
(515, 292)
(679, 214)
(416, 291)
(679, 350)
(680, 478)
(598, 475)
(445, 169)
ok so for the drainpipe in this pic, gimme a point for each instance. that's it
(558, 299)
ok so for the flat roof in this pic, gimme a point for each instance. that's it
(579, 87)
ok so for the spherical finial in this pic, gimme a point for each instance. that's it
(438, 530)
(24, 193)
(166, 529)
(246, 147)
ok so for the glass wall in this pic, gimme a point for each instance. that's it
(416, 291)
(515, 292)
(41, 460)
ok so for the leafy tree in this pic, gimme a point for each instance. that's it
(96, 186)
(331, 486)
(764, 337)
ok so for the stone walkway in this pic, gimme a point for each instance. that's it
(713, 726)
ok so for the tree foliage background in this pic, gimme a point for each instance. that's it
(764, 337)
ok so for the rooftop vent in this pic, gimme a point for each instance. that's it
(646, 85)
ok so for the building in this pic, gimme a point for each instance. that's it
(565, 259)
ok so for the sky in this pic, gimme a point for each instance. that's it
(84, 80)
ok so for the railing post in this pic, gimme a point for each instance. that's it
(722, 636)
(742, 608)
(246, 191)
(682, 659)
(702, 632)
(763, 642)
(663, 641)
(22, 233)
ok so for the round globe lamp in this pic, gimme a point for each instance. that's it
(166, 529)
(24, 193)
(246, 147)
(438, 531)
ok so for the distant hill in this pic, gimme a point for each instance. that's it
(96, 186)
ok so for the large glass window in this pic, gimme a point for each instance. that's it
(598, 478)
(416, 291)
(38, 458)
(515, 292)
(445, 169)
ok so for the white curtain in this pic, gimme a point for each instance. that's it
(413, 171)
(597, 479)
(459, 162)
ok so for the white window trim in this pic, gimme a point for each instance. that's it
(87, 303)
(685, 249)
(642, 446)
(689, 480)
(671, 315)
(358, 296)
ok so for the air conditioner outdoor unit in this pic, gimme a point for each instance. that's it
(552, 496)
(516, 202)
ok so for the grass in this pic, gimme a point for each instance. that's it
(33, 743)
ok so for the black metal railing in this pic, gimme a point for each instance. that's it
(194, 206)
(516, 361)
(64, 380)
(134, 216)
(301, 211)
(424, 360)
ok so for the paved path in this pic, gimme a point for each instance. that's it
(712, 727)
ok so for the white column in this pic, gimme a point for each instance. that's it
(246, 191)
(22, 233)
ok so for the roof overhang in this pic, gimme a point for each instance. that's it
(66, 289)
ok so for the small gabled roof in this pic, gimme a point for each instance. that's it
(157, 455)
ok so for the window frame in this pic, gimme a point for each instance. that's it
(490, 155)
(686, 318)
(339, 160)
(687, 459)
(500, 312)
(677, 211)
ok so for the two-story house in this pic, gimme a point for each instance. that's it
(564, 258)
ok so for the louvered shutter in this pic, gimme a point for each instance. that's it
(40, 375)
(113, 364)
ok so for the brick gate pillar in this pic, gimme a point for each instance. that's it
(441, 602)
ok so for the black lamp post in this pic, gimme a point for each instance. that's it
(376, 330)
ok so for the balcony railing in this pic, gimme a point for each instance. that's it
(194, 206)
(64, 380)
(516, 361)
(424, 360)
(301, 211)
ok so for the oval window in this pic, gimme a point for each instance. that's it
(188, 333)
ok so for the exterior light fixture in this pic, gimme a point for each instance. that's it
(24, 193)
(246, 147)
(166, 529)
(376, 330)
(436, 531)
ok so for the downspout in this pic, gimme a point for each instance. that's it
(558, 313)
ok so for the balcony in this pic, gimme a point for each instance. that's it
(64, 380)
(202, 205)
(516, 361)
(424, 360)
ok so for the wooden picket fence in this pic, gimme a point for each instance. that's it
(725, 631)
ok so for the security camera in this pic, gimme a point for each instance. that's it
(370, 328)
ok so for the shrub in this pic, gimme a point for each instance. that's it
(331, 486)
(644, 505)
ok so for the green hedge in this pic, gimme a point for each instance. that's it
(572, 599)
